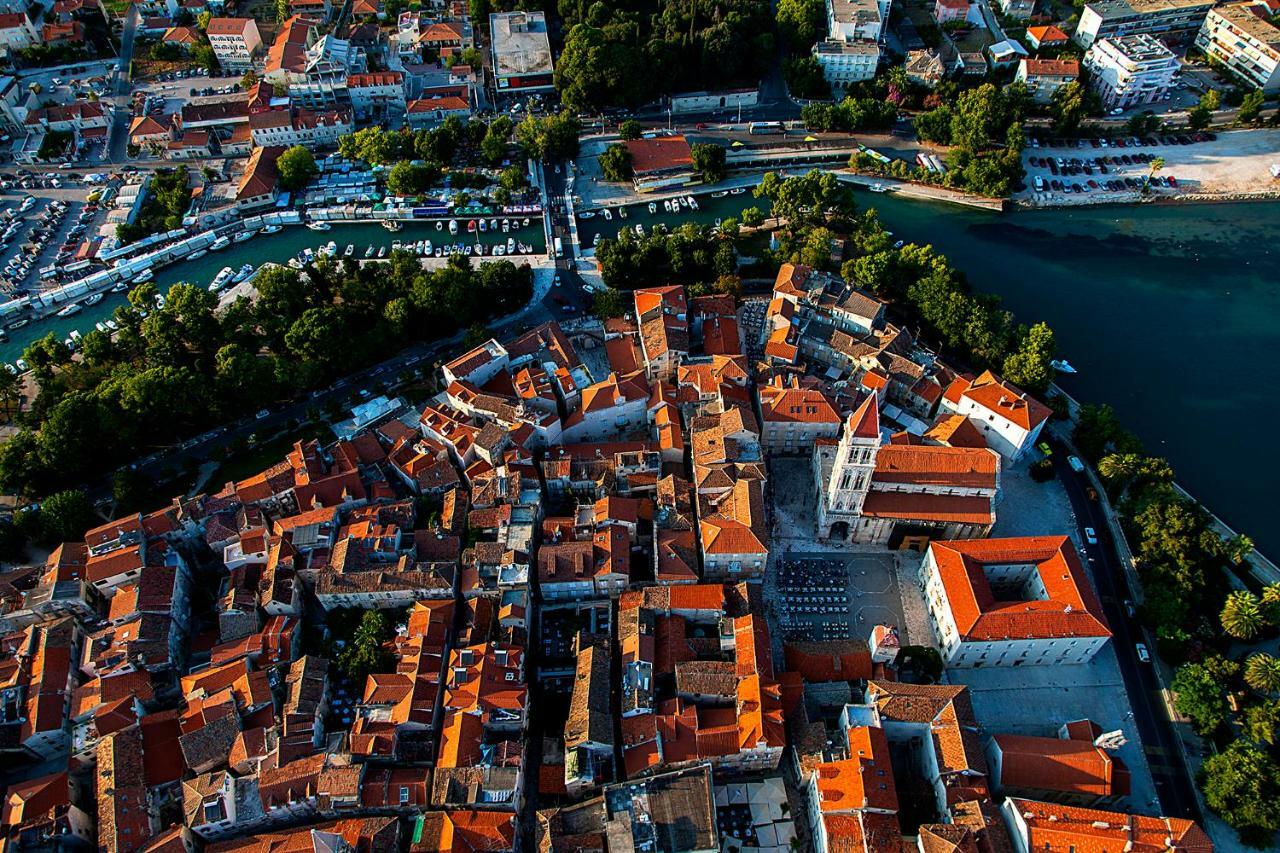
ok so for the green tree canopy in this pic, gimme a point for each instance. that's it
(615, 163)
(295, 167)
(1242, 785)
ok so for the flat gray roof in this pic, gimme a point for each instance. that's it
(520, 44)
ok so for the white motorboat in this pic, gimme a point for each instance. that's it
(426, 249)
(608, 215)
(484, 226)
(111, 325)
(223, 276)
(453, 226)
(121, 287)
(396, 245)
(392, 225)
(479, 249)
(737, 191)
(219, 244)
(145, 276)
(439, 224)
(94, 299)
(718, 221)
(526, 222)
(159, 300)
(720, 194)
(243, 236)
(197, 255)
(653, 207)
(1062, 366)
(319, 226)
(242, 273)
(666, 205)
(332, 249)
(273, 229)
(101, 327)
(506, 225)
(308, 256)
(70, 311)
(878, 188)
(75, 335)
(499, 251)
(351, 250)
(622, 213)
(693, 203)
(493, 225)
(382, 251)
(639, 229)
(511, 246)
(436, 253)
(586, 214)
(368, 253)
(296, 264)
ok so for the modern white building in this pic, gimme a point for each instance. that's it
(847, 62)
(521, 52)
(1128, 71)
(1248, 45)
(851, 50)
(1023, 601)
(1171, 20)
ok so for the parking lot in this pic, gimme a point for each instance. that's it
(1084, 171)
(818, 596)
(49, 218)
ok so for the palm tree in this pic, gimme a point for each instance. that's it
(1242, 615)
(1262, 673)
(1157, 163)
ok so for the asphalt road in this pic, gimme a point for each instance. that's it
(1164, 755)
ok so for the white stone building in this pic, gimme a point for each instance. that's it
(1248, 45)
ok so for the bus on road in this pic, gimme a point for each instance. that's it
(759, 127)
(559, 247)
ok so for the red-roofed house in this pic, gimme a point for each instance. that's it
(1046, 36)
(1012, 602)
(437, 104)
(792, 418)
(1044, 77)
(662, 162)
(1010, 419)
(17, 32)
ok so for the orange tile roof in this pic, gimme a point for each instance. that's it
(918, 506)
(864, 780)
(787, 403)
(1054, 764)
(1047, 35)
(999, 397)
(659, 154)
(1057, 829)
(1070, 608)
(955, 467)
(1053, 68)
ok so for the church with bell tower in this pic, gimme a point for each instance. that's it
(870, 492)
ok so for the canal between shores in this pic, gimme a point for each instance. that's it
(1170, 313)
(279, 247)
